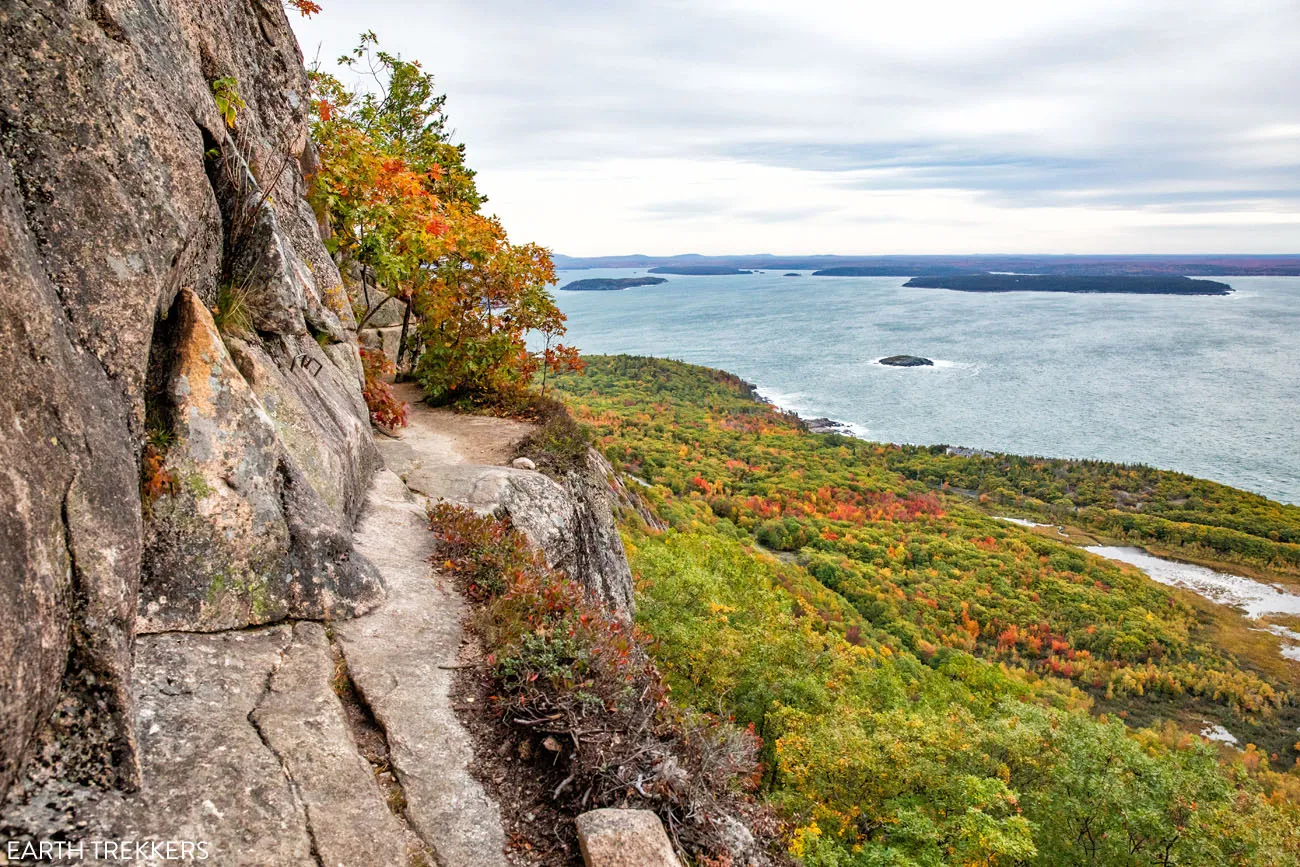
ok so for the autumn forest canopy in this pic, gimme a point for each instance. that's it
(933, 685)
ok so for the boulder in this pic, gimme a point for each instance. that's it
(624, 838)
(386, 311)
(571, 523)
(523, 464)
(536, 505)
(387, 339)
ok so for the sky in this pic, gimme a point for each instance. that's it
(864, 127)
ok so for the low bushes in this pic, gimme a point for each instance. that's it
(576, 680)
(560, 443)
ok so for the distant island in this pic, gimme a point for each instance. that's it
(1059, 283)
(699, 270)
(608, 284)
(890, 270)
(907, 361)
(792, 274)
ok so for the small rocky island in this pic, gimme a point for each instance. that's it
(1059, 283)
(907, 361)
(792, 274)
(609, 284)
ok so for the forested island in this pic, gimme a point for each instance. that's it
(901, 269)
(609, 284)
(1061, 283)
(699, 270)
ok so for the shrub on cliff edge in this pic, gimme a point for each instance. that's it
(577, 680)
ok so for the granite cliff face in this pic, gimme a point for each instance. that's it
(129, 212)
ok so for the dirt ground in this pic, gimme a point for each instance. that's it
(456, 438)
(513, 771)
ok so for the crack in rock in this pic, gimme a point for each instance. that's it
(371, 740)
(299, 802)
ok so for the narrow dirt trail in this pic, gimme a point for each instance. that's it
(436, 437)
(402, 657)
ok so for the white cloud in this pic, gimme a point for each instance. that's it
(723, 126)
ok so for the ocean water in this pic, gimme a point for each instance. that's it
(1206, 385)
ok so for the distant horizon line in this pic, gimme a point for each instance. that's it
(930, 255)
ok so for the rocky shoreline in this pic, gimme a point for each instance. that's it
(826, 426)
(819, 425)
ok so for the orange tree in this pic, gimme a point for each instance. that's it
(403, 207)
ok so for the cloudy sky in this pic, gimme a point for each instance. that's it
(815, 126)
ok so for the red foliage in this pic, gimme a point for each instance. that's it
(575, 681)
(385, 409)
(157, 480)
(844, 505)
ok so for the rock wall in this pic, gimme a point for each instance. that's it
(168, 303)
(597, 556)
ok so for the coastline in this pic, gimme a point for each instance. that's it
(813, 424)
(1074, 534)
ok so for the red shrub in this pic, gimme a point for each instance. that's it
(385, 409)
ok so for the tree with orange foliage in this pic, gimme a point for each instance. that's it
(305, 8)
(405, 209)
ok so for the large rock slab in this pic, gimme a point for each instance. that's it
(238, 534)
(401, 658)
(69, 525)
(598, 558)
(217, 528)
(245, 747)
(300, 720)
(624, 838)
(206, 774)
